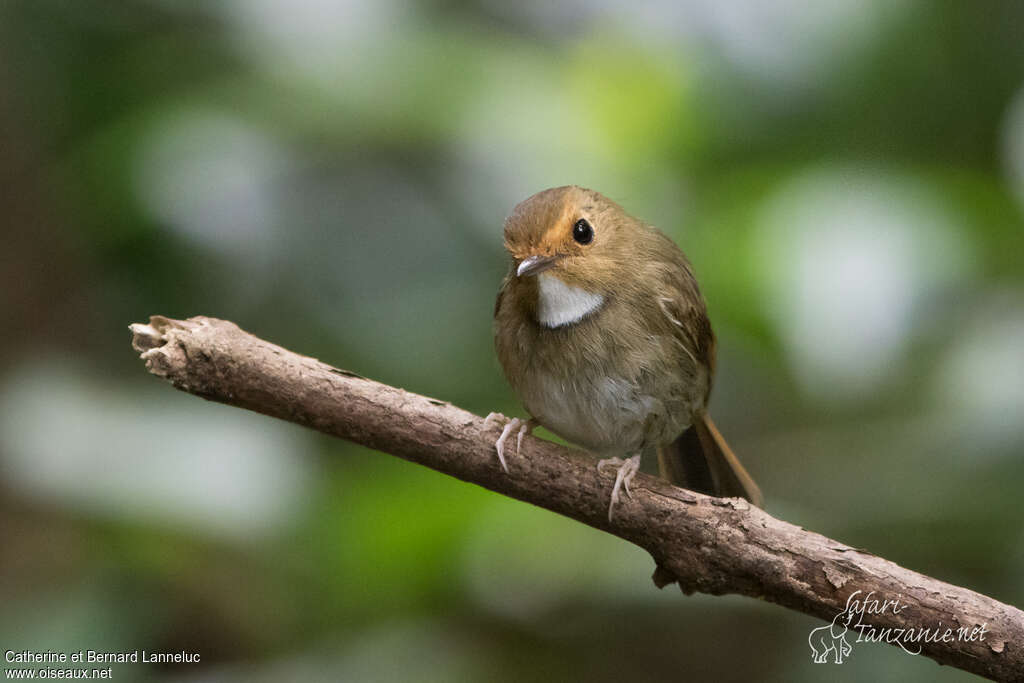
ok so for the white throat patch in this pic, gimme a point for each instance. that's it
(560, 304)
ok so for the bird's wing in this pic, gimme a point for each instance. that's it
(684, 314)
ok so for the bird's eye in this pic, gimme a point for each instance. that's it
(582, 232)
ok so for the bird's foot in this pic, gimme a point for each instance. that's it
(521, 427)
(626, 469)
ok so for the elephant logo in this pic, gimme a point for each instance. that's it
(831, 639)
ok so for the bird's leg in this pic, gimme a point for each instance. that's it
(521, 427)
(626, 470)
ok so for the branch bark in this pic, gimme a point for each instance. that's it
(704, 544)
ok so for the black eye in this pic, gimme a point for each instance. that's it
(582, 232)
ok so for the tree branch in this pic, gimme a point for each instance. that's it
(705, 544)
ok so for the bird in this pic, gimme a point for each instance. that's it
(603, 334)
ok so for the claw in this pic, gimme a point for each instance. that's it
(520, 427)
(499, 445)
(626, 470)
(524, 429)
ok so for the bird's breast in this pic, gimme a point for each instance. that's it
(605, 414)
(587, 368)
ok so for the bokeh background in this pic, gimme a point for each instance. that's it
(847, 177)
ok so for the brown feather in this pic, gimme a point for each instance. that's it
(701, 460)
(634, 372)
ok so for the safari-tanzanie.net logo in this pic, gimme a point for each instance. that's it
(853, 625)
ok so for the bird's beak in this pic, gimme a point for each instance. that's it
(531, 265)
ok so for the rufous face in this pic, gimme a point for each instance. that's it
(577, 235)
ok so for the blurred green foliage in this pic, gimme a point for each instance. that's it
(846, 177)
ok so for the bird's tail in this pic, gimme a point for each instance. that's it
(701, 460)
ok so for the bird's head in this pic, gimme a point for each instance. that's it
(578, 235)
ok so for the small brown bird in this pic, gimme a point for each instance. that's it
(603, 334)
